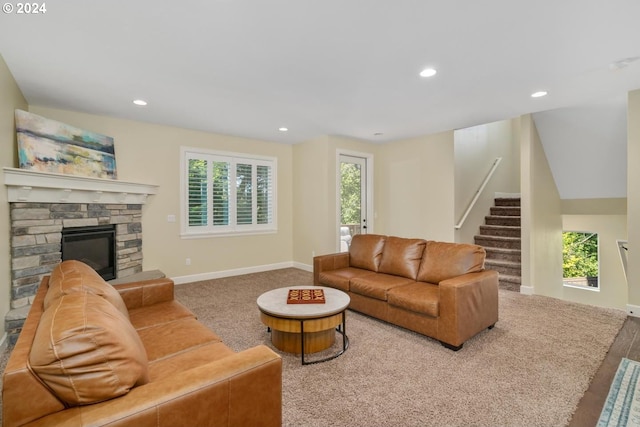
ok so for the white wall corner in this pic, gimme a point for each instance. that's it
(633, 310)
(526, 290)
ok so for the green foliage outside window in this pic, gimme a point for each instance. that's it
(350, 195)
(579, 254)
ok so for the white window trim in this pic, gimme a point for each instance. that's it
(586, 288)
(209, 232)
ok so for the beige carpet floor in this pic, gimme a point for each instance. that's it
(530, 370)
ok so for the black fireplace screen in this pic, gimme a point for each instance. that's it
(95, 246)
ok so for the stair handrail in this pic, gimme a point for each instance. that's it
(623, 247)
(476, 196)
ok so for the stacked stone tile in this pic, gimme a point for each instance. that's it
(36, 236)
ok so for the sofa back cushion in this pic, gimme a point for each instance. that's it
(74, 276)
(365, 251)
(401, 257)
(443, 260)
(86, 351)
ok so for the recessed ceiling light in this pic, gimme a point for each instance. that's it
(283, 129)
(428, 72)
(539, 94)
(140, 102)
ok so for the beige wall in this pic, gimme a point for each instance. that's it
(312, 192)
(613, 206)
(315, 193)
(415, 188)
(10, 100)
(150, 154)
(633, 198)
(413, 197)
(612, 283)
(476, 150)
(541, 217)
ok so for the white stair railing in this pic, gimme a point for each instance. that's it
(623, 246)
(476, 196)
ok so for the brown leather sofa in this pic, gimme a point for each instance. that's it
(131, 355)
(437, 289)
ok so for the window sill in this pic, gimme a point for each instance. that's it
(207, 235)
(584, 288)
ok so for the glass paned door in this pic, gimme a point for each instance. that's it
(352, 198)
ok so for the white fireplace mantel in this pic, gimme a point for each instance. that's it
(45, 187)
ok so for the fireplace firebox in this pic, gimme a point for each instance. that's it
(94, 245)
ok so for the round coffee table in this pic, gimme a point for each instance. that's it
(305, 328)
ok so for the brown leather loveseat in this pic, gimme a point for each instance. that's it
(437, 289)
(131, 355)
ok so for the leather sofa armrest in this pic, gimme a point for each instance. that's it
(146, 292)
(468, 304)
(244, 389)
(327, 263)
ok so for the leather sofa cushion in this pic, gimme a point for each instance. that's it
(158, 314)
(86, 351)
(75, 276)
(185, 360)
(340, 279)
(444, 260)
(418, 297)
(377, 285)
(401, 257)
(365, 251)
(175, 337)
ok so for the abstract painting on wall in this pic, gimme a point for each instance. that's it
(49, 146)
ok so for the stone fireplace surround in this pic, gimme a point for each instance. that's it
(42, 204)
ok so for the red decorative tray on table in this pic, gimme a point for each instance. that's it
(305, 296)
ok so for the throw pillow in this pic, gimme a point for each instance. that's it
(365, 251)
(75, 276)
(401, 257)
(86, 351)
(444, 260)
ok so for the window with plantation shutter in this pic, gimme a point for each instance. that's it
(227, 193)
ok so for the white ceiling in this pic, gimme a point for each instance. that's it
(323, 67)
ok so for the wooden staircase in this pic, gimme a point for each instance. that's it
(500, 236)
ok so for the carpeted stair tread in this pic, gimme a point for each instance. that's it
(498, 241)
(505, 210)
(507, 268)
(510, 279)
(501, 262)
(509, 283)
(498, 238)
(502, 220)
(505, 254)
(504, 201)
(500, 230)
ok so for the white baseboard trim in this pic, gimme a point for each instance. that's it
(633, 310)
(526, 290)
(301, 266)
(179, 280)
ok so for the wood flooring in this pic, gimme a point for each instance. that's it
(626, 344)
